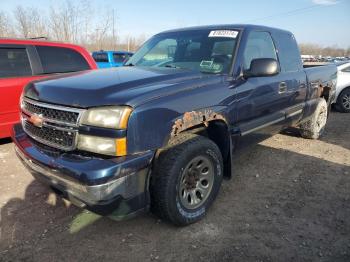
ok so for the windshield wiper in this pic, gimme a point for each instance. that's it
(172, 66)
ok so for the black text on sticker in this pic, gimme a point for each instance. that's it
(223, 33)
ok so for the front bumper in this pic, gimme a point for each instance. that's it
(104, 186)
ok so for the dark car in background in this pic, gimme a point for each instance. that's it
(22, 61)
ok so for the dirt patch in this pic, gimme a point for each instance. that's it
(289, 200)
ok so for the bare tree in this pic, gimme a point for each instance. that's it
(95, 28)
(87, 17)
(30, 22)
(64, 22)
(132, 43)
(23, 21)
(103, 35)
(79, 23)
(100, 35)
(6, 27)
(314, 49)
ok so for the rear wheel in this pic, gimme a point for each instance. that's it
(314, 127)
(186, 179)
(343, 101)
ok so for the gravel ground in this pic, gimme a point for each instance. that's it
(289, 200)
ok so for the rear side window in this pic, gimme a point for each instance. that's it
(61, 60)
(259, 45)
(14, 62)
(120, 58)
(288, 53)
(100, 57)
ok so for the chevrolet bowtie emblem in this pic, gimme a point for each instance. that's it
(36, 120)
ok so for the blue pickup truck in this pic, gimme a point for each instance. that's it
(161, 131)
(107, 59)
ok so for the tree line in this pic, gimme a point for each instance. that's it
(317, 50)
(68, 21)
(94, 28)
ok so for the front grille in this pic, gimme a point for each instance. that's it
(59, 138)
(47, 150)
(59, 125)
(50, 113)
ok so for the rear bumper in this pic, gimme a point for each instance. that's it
(104, 186)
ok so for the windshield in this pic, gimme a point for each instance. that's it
(120, 58)
(208, 51)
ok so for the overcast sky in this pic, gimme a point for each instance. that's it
(324, 22)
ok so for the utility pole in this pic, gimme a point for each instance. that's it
(113, 31)
(128, 43)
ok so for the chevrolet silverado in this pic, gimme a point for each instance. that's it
(160, 132)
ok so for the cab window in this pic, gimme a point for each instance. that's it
(288, 53)
(119, 57)
(100, 57)
(259, 45)
(61, 60)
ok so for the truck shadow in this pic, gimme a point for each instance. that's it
(337, 131)
(4, 141)
(280, 194)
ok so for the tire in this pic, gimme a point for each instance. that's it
(176, 194)
(314, 128)
(343, 101)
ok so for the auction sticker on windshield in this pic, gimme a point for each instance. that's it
(223, 33)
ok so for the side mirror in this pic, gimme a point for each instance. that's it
(262, 67)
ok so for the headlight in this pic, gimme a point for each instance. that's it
(102, 145)
(108, 117)
(115, 117)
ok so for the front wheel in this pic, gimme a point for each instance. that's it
(186, 179)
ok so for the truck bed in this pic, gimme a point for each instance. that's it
(321, 75)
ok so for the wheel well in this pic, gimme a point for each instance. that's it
(325, 92)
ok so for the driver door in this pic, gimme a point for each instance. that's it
(260, 100)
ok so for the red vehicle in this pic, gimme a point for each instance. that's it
(22, 61)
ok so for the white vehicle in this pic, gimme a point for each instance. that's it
(342, 96)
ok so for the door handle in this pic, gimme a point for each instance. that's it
(282, 87)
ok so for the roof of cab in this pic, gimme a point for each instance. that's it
(37, 42)
(228, 26)
(19, 41)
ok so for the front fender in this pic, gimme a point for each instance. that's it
(152, 128)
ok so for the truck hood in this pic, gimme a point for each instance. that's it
(116, 86)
